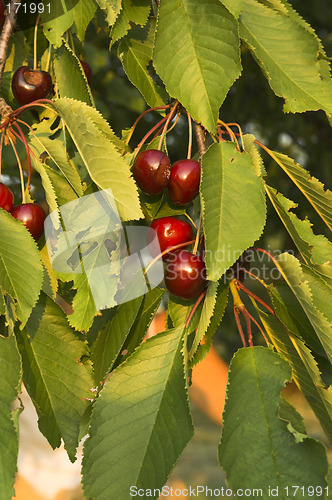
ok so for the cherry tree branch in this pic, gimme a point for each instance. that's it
(200, 139)
(6, 33)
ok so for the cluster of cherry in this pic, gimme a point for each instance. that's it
(185, 273)
(31, 214)
(29, 85)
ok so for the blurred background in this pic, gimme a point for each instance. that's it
(306, 137)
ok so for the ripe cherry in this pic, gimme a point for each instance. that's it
(184, 181)
(185, 275)
(32, 216)
(171, 232)
(6, 197)
(87, 70)
(29, 84)
(152, 169)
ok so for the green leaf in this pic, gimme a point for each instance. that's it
(135, 53)
(21, 272)
(57, 383)
(132, 11)
(312, 188)
(272, 457)
(111, 8)
(234, 6)
(57, 20)
(250, 147)
(150, 304)
(287, 412)
(112, 337)
(140, 422)
(205, 316)
(50, 194)
(305, 370)
(276, 41)
(197, 55)
(105, 165)
(314, 248)
(83, 12)
(233, 206)
(70, 77)
(10, 386)
(63, 190)
(218, 313)
(292, 272)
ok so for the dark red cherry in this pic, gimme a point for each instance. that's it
(87, 70)
(185, 275)
(32, 216)
(171, 232)
(184, 181)
(6, 197)
(29, 85)
(152, 169)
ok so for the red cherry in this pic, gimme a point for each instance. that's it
(171, 232)
(87, 70)
(6, 197)
(185, 275)
(29, 85)
(184, 181)
(32, 216)
(152, 169)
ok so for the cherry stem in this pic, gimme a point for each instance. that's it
(188, 217)
(240, 131)
(49, 57)
(169, 117)
(138, 147)
(171, 128)
(231, 133)
(170, 249)
(1, 146)
(19, 167)
(239, 326)
(245, 313)
(260, 329)
(141, 116)
(198, 234)
(27, 150)
(192, 312)
(251, 294)
(190, 131)
(35, 44)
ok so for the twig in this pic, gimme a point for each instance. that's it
(6, 33)
(200, 139)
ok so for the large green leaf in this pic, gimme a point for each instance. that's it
(312, 188)
(57, 19)
(305, 371)
(105, 165)
(131, 11)
(70, 77)
(257, 449)
(111, 339)
(135, 52)
(140, 423)
(58, 384)
(83, 12)
(314, 248)
(233, 206)
(288, 55)
(10, 384)
(197, 55)
(21, 272)
(296, 279)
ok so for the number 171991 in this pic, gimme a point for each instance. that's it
(30, 8)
